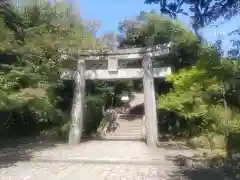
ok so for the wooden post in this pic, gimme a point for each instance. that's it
(77, 116)
(149, 102)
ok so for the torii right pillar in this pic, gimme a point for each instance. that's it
(151, 124)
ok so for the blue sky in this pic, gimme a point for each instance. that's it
(111, 12)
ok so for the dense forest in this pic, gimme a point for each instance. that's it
(37, 42)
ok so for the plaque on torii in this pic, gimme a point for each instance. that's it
(113, 60)
(113, 64)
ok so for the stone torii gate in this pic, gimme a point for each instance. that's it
(112, 59)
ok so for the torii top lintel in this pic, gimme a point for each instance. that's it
(129, 53)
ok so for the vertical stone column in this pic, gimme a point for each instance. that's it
(149, 102)
(77, 115)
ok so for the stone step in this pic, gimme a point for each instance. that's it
(106, 160)
(134, 129)
(129, 127)
(128, 131)
(130, 117)
(130, 123)
(120, 130)
(122, 138)
(125, 134)
(130, 120)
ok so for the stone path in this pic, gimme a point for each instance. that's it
(83, 171)
(94, 160)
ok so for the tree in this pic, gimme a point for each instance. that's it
(202, 95)
(201, 12)
(30, 66)
(92, 26)
(10, 17)
(31, 91)
(109, 40)
(150, 29)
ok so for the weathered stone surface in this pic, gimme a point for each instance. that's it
(76, 126)
(133, 73)
(158, 49)
(103, 160)
(149, 102)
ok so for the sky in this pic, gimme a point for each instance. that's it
(111, 12)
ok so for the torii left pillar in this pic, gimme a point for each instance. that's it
(149, 102)
(77, 113)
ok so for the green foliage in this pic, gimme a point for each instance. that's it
(201, 98)
(200, 13)
(150, 29)
(31, 54)
(43, 40)
(203, 12)
(214, 141)
(198, 97)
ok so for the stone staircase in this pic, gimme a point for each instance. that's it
(138, 98)
(130, 127)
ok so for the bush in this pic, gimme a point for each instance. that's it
(208, 141)
(195, 107)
